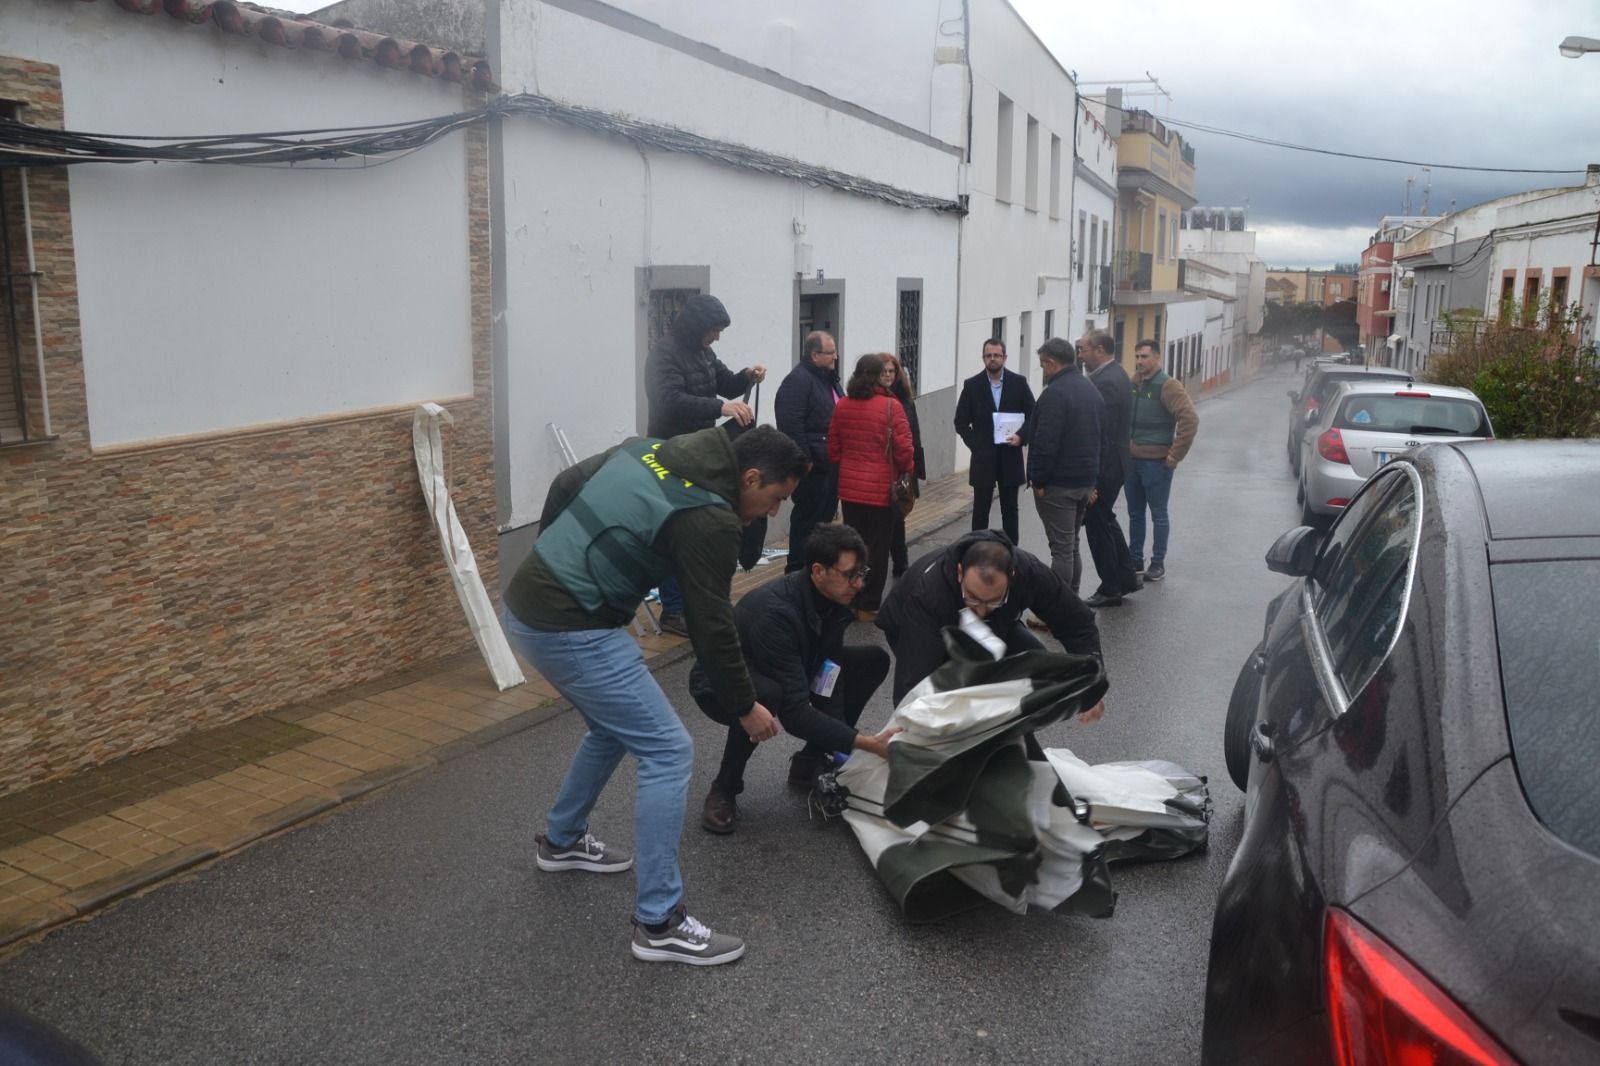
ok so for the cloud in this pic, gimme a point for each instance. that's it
(1295, 245)
(1467, 82)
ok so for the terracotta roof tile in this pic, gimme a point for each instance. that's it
(289, 30)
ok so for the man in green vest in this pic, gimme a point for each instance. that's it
(1162, 428)
(613, 526)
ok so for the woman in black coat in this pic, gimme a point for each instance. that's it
(901, 388)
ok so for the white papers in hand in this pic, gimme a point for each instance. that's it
(1007, 423)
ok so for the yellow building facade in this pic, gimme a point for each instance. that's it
(1155, 185)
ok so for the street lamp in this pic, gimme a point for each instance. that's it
(1574, 47)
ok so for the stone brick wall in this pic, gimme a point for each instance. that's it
(149, 593)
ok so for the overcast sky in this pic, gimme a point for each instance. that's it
(1469, 82)
(1448, 81)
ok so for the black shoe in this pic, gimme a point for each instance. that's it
(721, 812)
(803, 769)
(1155, 573)
(672, 622)
(1101, 600)
(1138, 583)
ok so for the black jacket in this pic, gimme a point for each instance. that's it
(928, 598)
(786, 630)
(910, 407)
(1065, 433)
(683, 378)
(1117, 391)
(975, 424)
(804, 408)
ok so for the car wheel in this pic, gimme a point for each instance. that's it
(1241, 719)
(1308, 517)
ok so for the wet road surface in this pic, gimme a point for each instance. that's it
(414, 927)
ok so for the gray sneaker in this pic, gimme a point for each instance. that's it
(586, 854)
(685, 940)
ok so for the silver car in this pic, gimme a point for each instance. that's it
(1364, 424)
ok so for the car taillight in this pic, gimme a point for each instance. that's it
(1422, 395)
(1330, 445)
(1382, 1009)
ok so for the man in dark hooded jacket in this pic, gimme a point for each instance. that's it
(684, 382)
(984, 574)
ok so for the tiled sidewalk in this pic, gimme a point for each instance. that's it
(70, 846)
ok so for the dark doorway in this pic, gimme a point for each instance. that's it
(820, 305)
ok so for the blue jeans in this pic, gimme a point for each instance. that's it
(602, 673)
(1149, 482)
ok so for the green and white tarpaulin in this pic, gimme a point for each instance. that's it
(969, 807)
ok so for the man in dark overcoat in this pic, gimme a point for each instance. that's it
(995, 466)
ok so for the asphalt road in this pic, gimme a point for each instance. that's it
(414, 927)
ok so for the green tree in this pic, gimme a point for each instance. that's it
(1529, 367)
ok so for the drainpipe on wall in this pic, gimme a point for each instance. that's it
(961, 224)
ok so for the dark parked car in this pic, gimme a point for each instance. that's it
(1418, 878)
(1322, 378)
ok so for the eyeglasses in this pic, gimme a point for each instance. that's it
(858, 574)
(987, 605)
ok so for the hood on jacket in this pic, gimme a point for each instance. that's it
(701, 314)
(705, 457)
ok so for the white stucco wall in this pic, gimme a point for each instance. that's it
(583, 211)
(578, 60)
(1013, 259)
(898, 59)
(1096, 152)
(1544, 234)
(213, 298)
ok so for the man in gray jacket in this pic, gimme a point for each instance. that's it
(1064, 442)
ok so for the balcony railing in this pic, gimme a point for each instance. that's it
(1133, 271)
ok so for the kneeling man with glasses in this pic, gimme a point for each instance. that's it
(983, 573)
(792, 634)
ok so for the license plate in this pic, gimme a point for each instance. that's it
(1382, 457)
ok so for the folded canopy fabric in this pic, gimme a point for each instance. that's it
(968, 807)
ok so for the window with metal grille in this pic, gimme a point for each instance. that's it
(24, 414)
(908, 333)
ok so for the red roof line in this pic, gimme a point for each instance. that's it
(289, 30)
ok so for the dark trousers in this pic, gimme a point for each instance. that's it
(861, 671)
(876, 526)
(897, 544)
(983, 494)
(815, 501)
(1107, 545)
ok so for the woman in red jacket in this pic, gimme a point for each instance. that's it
(869, 441)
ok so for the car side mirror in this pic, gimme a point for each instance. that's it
(1295, 553)
(1294, 397)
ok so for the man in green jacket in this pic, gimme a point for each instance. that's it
(1163, 426)
(612, 527)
